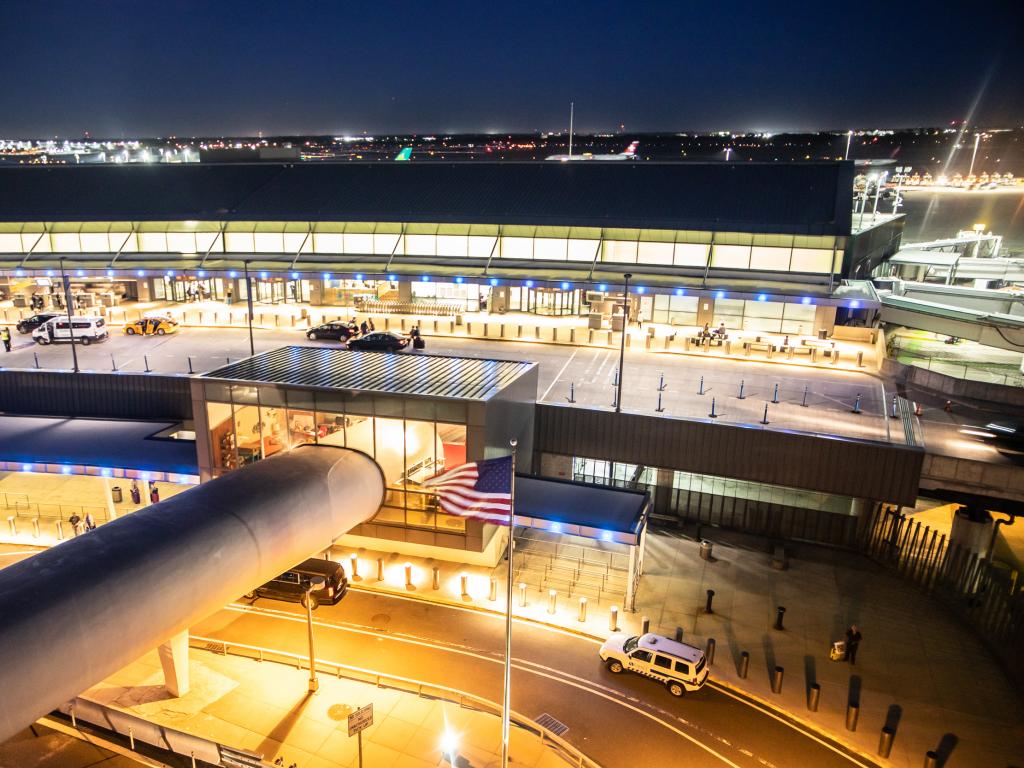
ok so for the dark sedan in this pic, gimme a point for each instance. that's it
(337, 331)
(379, 341)
(29, 324)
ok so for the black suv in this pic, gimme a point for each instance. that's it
(338, 331)
(29, 324)
(289, 586)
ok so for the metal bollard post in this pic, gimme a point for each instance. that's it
(353, 560)
(190, 364)
(36, 356)
(13, 525)
(852, 713)
(744, 664)
(552, 601)
(613, 618)
(494, 590)
(660, 408)
(408, 577)
(131, 738)
(71, 711)
(813, 696)
(60, 530)
(707, 605)
(931, 759)
(765, 419)
(700, 389)
(679, 634)
(522, 594)
(464, 579)
(709, 651)
(860, 359)
(583, 610)
(741, 395)
(572, 391)
(380, 569)
(113, 363)
(615, 377)
(775, 397)
(895, 407)
(713, 415)
(777, 680)
(661, 383)
(35, 527)
(436, 583)
(856, 405)
(885, 741)
(645, 625)
(779, 611)
(145, 359)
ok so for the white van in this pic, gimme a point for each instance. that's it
(86, 330)
(679, 666)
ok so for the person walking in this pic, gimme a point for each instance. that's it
(154, 494)
(228, 293)
(853, 638)
(136, 494)
(89, 523)
(5, 336)
(76, 523)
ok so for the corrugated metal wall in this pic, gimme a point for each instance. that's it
(105, 395)
(859, 469)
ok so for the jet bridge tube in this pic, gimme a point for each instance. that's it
(75, 614)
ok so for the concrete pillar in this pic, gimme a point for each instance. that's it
(144, 289)
(824, 317)
(405, 291)
(109, 498)
(972, 529)
(705, 311)
(499, 300)
(174, 660)
(663, 492)
(317, 291)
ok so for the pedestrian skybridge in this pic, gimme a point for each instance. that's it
(994, 329)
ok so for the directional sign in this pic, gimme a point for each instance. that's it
(361, 719)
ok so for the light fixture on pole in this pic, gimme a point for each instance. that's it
(65, 283)
(878, 192)
(849, 138)
(622, 347)
(977, 138)
(310, 586)
(248, 299)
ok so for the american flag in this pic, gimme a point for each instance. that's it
(480, 489)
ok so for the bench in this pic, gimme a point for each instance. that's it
(779, 560)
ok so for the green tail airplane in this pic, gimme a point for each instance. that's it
(405, 154)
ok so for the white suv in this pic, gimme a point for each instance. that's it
(679, 666)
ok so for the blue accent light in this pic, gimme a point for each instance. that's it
(459, 279)
(720, 295)
(170, 273)
(494, 281)
(295, 275)
(19, 273)
(263, 275)
(392, 278)
(49, 273)
(854, 304)
(641, 289)
(566, 286)
(606, 535)
(110, 273)
(65, 470)
(359, 275)
(603, 287)
(424, 278)
(529, 283)
(145, 475)
(106, 472)
(556, 527)
(326, 275)
(680, 291)
(232, 273)
(26, 467)
(762, 297)
(141, 273)
(80, 273)
(202, 273)
(805, 300)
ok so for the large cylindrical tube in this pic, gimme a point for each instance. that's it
(77, 613)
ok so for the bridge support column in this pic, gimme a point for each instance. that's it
(174, 660)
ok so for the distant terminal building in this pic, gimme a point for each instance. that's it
(757, 246)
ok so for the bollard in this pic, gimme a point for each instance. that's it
(35, 527)
(613, 618)
(131, 738)
(744, 664)
(679, 634)
(615, 377)
(113, 363)
(380, 569)
(765, 419)
(145, 359)
(522, 594)
(661, 383)
(709, 651)
(860, 364)
(60, 530)
(36, 356)
(193, 756)
(494, 590)
(13, 526)
(885, 741)
(464, 579)
(777, 680)
(583, 610)
(408, 577)
(775, 397)
(572, 391)
(895, 407)
(852, 713)
(779, 611)
(707, 606)
(713, 415)
(931, 759)
(741, 395)
(353, 560)
(856, 405)
(660, 408)
(645, 625)
(71, 711)
(190, 364)
(436, 584)
(700, 389)
(552, 601)
(813, 696)
(835, 356)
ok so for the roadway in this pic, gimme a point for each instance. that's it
(616, 720)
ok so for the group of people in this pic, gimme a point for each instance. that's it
(196, 292)
(88, 523)
(707, 333)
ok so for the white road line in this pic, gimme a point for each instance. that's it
(559, 375)
(21, 552)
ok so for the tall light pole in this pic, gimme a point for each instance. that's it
(878, 191)
(849, 138)
(728, 151)
(311, 585)
(248, 299)
(977, 138)
(622, 347)
(65, 283)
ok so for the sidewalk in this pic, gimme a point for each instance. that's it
(273, 714)
(918, 668)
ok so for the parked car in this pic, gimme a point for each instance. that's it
(680, 667)
(338, 331)
(290, 585)
(379, 341)
(57, 329)
(29, 324)
(152, 326)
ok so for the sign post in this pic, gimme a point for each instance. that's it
(359, 720)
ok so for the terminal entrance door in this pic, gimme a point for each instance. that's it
(552, 302)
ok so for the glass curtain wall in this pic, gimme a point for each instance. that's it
(410, 440)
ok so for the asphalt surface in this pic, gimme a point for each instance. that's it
(618, 720)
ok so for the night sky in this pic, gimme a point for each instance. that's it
(123, 69)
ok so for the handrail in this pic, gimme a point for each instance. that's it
(560, 747)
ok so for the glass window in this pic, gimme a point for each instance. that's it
(691, 255)
(359, 433)
(655, 253)
(301, 428)
(642, 655)
(770, 259)
(663, 661)
(619, 251)
(516, 247)
(811, 260)
(222, 435)
(247, 434)
(730, 257)
(683, 668)
(550, 249)
(582, 250)
(330, 429)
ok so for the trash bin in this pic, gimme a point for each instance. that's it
(705, 549)
(458, 319)
(116, 494)
(823, 333)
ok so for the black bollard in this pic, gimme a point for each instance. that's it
(852, 713)
(744, 664)
(709, 652)
(813, 695)
(679, 634)
(778, 617)
(645, 625)
(777, 680)
(707, 605)
(885, 741)
(931, 759)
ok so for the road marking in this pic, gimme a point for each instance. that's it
(559, 374)
(21, 552)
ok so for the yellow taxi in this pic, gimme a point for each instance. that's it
(151, 326)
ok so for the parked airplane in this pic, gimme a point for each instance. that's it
(628, 154)
(405, 154)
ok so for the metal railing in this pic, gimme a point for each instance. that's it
(559, 747)
(955, 370)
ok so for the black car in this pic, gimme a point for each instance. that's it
(291, 585)
(1006, 436)
(337, 331)
(379, 341)
(29, 324)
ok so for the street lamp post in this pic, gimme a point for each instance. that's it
(310, 586)
(622, 347)
(977, 138)
(248, 298)
(65, 283)
(878, 192)
(849, 138)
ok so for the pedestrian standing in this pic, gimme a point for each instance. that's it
(853, 637)
(154, 494)
(89, 523)
(136, 493)
(364, 328)
(370, 323)
(228, 294)
(5, 336)
(76, 523)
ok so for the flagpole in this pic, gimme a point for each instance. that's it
(506, 708)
